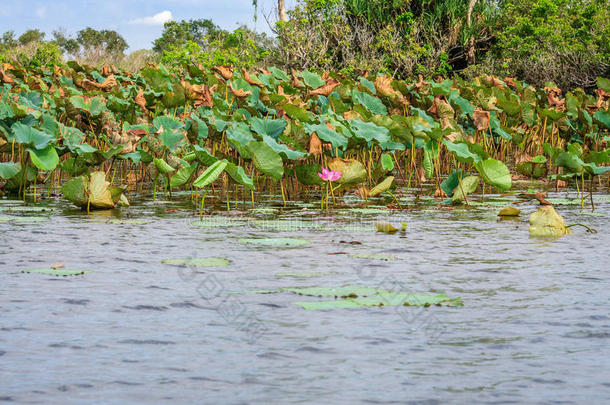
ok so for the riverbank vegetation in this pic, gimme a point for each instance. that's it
(444, 93)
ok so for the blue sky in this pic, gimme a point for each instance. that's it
(138, 21)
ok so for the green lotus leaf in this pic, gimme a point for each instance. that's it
(57, 272)
(369, 132)
(337, 140)
(9, 169)
(296, 113)
(272, 128)
(308, 174)
(210, 174)
(495, 173)
(462, 152)
(27, 135)
(374, 256)
(94, 106)
(163, 166)
(200, 262)
(275, 241)
(387, 163)
(238, 174)
(381, 187)
(311, 79)
(183, 175)
(266, 160)
(44, 159)
(371, 103)
(451, 182)
(466, 186)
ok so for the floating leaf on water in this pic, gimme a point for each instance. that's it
(300, 275)
(218, 222)
(30, 219)
(547, 222)
(348, 291)
(509, 212)
(387, 227)
(275, 241)
(58, 272)
(26, 208)
(495, 173)
(287, 225)
(129, 221)
(374, 256)
(201, 262)
(383, 300)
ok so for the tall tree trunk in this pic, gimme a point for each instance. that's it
(470, 53)
(281, 9)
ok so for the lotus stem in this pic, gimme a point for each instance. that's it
(589, 229)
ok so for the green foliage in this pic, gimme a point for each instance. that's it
(31, 36)
(108, 40)
(178, 33)
(200, 42)
(399, 37)
(564, 41)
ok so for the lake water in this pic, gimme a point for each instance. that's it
(534, 328)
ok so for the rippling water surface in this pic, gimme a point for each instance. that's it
(535, 327)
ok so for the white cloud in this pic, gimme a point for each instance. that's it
(41, 11)
(157, 19)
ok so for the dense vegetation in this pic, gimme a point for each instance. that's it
(535, 41)
(347, 92)
(273, 128)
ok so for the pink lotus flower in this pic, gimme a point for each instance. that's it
(329, 175)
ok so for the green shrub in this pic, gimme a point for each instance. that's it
(564, 41)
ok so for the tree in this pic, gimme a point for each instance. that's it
(8, 40)
(105, 40)
(31, 36)
(178, 33)
(281, 9)
(67, 44)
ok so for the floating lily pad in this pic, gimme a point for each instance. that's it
(58, 272)
(275, 241)
(129, 221)
(264, 210)
(384, 299)
(349, 291)
(588, 213)
(285, 225)
(301, 275)
(218, 222)
(509, 212)
(30, 219)
(387, 227)
(374, 256)
(564, 201)
(201, 262)
(27, 208)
